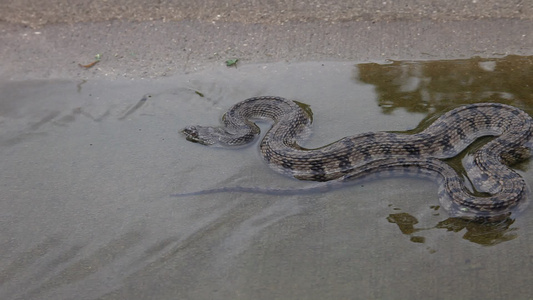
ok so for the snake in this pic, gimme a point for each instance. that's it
(494, 192)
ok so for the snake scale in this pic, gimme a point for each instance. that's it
(422, 153)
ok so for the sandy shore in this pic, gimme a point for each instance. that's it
(49, 39)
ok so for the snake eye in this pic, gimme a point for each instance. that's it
(190, 132)
(193, 134)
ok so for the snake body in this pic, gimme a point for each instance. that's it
(422, 153)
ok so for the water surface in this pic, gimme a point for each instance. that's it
(88, 167)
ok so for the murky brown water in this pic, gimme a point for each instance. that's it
(88, 167)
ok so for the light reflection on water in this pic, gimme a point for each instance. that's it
(426, 86)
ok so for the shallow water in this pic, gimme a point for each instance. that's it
(88, 167)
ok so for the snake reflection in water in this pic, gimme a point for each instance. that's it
(357, 156)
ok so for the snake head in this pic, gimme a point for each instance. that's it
(201, 135)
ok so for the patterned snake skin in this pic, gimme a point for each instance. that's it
(421, 153)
